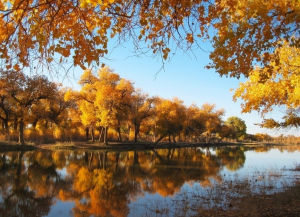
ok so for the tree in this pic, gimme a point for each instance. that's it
(85, 99)
(278, 87)
(6, 104)
(50, 118)
(24, 92)
(103, 100)
(248, 33)
(211, 119)
(260, 40)
(194, 124)
(141, 108)
(291, 119)
(237, 127)
(53, 109)
(243, 33)
(123, 104)
(262, 137)
(82, 29)
(34, 90)
(169, 118)
(112, 99)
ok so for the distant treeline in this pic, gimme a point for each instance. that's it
(261, 137)
(106, 107)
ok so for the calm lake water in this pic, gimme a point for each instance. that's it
(175, 182)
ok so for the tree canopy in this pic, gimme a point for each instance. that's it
(81, 29)
(108, 106)
(237, 127)
(256, 39)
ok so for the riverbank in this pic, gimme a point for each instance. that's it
(5, 147)
(118, 146)
(282, 204)
(129, 146)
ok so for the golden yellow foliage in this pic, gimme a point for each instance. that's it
(81, 30)
(245, 33)
(169, 117)
(278, 84)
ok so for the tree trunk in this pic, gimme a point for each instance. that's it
(100, 133)
(34, 123)
(105, 135)
(207, 138)
(174, 139)
(119, 131)
(136, 132)
(7, 136)
(21, 132)
(15, 124)
(128, 130)
(172, 153)
(93, 135)
(169, 154)
(154, 134)
(160, 138)
(87, 134)
(119, 134)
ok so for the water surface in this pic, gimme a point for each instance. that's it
(166, 182)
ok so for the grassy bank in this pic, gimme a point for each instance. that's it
(13, 146)
(127, 146)
(118, 146)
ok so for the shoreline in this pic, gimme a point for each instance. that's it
(122, 146)
(16, 147)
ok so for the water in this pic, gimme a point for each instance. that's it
(175, 182)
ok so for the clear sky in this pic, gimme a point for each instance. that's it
(184, 76)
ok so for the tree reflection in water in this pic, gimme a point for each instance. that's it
(102, 183)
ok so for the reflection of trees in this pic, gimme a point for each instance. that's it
(269, 147)
(103, 197)
(104, 183)
(175, 167)
(42, 174)
(95, 187)
(232, 157)
(18, 198)
(290, 148)
(263, 148)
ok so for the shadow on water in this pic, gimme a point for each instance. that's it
(163, 182)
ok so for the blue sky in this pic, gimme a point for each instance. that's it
(184, 76)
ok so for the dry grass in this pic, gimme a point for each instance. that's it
(283, 204)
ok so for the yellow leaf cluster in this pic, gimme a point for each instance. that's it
(277, 84)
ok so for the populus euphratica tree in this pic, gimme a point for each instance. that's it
(247, 36)
(103, 100)
(21, 93)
